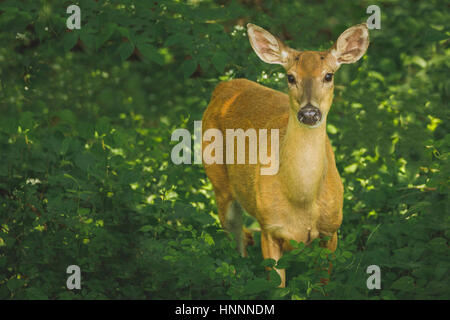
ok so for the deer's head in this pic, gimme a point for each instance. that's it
(310, 74)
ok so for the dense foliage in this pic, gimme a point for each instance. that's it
(86, 176)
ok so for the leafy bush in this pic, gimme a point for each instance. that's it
(86, 176)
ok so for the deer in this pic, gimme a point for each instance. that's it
(303, 200)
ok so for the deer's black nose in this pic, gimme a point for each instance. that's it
(309, 115)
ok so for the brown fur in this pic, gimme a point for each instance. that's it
(303, 201)
(279, 202)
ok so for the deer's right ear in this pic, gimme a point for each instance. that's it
(351, 44)
(268, 48)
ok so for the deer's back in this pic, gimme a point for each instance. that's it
(245, 104)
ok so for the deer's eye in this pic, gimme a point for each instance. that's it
(291, 78)
(328, 77)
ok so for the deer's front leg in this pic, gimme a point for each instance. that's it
(331, 245)
(272, 249)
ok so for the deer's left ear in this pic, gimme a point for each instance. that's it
(268, 47)
(351, 44)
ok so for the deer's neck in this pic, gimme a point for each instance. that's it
(303, 160)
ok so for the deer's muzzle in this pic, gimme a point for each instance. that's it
(309, 115)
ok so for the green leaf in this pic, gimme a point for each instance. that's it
(151, 53)
(178, 38)
(257, 285)
(2, 262)
(347, 254)
(26, 120)
(4, 292)
(283, 262)
(67, 116)
(419, 61)
(146, 228)
(34, 293)
(220, 61)
(104, 35)
(14, 284)
(103, 125)
(84, 160)
(404, 284)
(331, 129)
(269, 263)
(65, 146)
(88, 40)
(293, 243)
(125, 50)
(433, 35)
(351, 168)
(70, 40)
(275, 278)
(188, 67)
